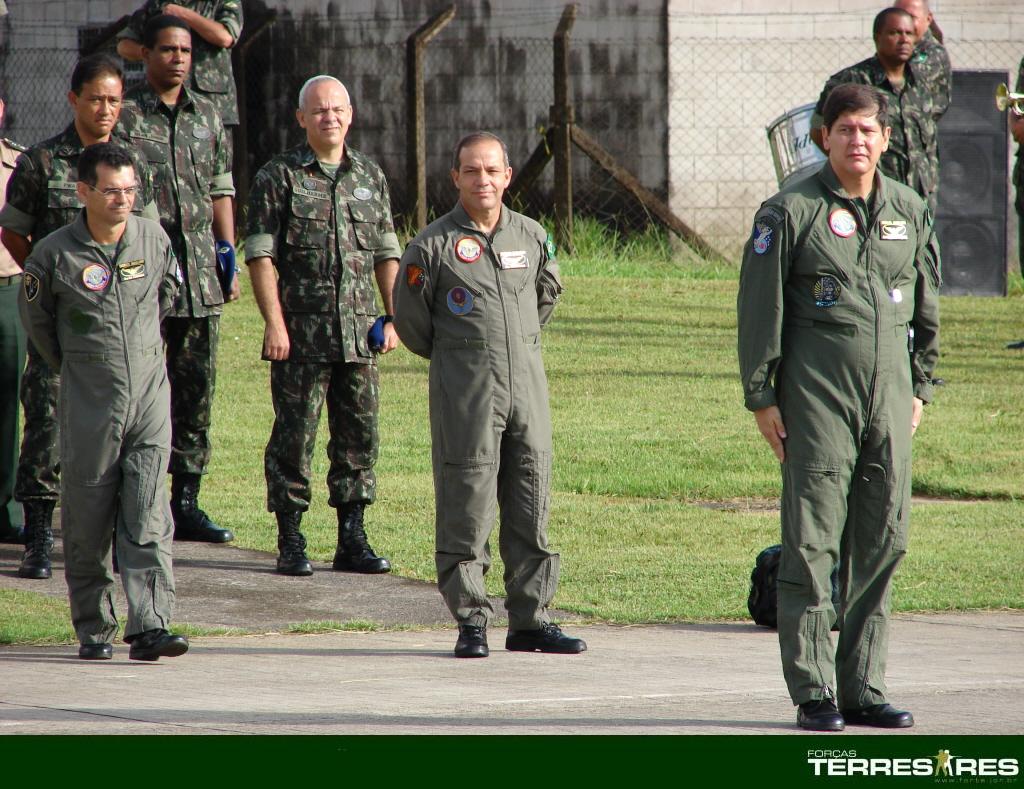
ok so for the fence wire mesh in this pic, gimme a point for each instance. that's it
(687, 116)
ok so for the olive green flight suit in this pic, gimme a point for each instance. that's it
(832, 289)
(96, 319)
(475, 306)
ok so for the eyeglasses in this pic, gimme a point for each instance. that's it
(110, 194)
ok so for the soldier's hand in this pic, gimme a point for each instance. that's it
(769, 422)
(390, 339)
(236, 288)
(276, 345)
(915, 414)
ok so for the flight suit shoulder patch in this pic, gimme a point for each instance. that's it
(31, 284)
(415, 277)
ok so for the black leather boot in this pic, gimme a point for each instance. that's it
(291, 545)
(190, 522)
(354, 553)
(38, 539)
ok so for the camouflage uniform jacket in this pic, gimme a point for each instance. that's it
(325, 236)
(10, 151)
(914, 136)
(42, 196)
(211, 65)
(185, 148)
(932, 67)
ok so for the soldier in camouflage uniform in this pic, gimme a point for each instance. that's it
(182, 138)
(12, 361)
(909, 157)
(216, 26)
(932, 68)
(41, 198)
(320, 214)
(1017, 130)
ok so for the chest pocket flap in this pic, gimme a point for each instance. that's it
(366, 223)
(308, 221)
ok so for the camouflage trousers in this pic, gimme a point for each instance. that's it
(12, 362)
(192, 372)
(39, 464)
(298, 390)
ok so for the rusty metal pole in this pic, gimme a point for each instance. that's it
(562, 119)
(416, 128)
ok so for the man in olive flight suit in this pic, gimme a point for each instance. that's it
(94, 293)
(838, 338)
(41, 198)
(320, 214)
(182, 138)
(475, 288)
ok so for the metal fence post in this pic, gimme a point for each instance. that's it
(416, 122)
(562, 119)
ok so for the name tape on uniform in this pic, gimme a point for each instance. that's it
(894, 229)
(131, 269)
(517, 259)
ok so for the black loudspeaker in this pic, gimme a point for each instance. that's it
(971, 220)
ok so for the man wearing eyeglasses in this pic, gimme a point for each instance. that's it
(93, 296)
(42, 198)
(182, 137)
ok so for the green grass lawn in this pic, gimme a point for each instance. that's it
(648, 428)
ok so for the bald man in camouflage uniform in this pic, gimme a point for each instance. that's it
(182, 137)
(910, 158)
(320, 215)
(41, 199)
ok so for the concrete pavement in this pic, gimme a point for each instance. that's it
(958, 673)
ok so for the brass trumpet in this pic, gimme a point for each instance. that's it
(1004, 99)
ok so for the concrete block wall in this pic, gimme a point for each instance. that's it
(734, 66)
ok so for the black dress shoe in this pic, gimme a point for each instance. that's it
(155, 644)
(820, 716)
(202, 530)
(549, 638)
(472, 642)
(884, 716)
(96, 652)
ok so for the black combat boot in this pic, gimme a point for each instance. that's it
(354, 552)
(291, 545)
(38, 539)
(190, 522)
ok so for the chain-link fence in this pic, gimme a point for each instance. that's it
(685, 115)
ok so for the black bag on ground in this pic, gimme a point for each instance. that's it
(762, 600)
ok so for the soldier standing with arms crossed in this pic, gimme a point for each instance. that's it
(216, 26)
(182, 138)
(475, 289)
(320, 214)
(910, 155)
(42, 198)
(838, 337)
(94, 292)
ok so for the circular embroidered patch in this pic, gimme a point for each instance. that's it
(95, 276)
(468, 249)
(826, 292)
(362, 193)
(842, 223)
(308, 183)
(460, 301)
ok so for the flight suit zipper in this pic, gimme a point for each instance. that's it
(504, 317)
(124, 336)
(868, 270)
